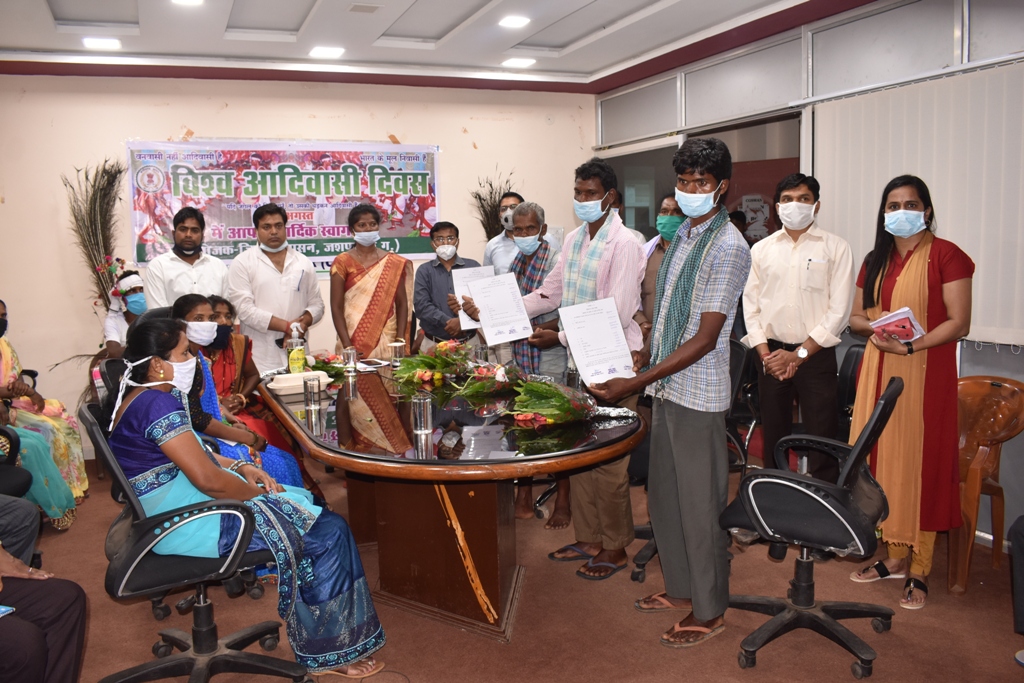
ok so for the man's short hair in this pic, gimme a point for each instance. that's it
(189, 212)
(600, 169)
(268, 210)
(527, 208)
(738, 218)
(511, 194)
(795, 180)
(441, 225)
(704, 155)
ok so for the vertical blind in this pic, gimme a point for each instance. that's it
(963, 136)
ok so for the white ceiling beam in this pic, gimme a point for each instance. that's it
(97, 27)
(260, 35)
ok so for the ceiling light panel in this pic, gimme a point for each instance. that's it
(514, 22)
(324, 52)
(188, 3)
(518, 63)
(101, 43)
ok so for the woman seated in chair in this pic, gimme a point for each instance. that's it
(323, 594)
(236, 441)
(46, 417)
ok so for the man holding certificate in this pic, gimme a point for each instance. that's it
(699, 283)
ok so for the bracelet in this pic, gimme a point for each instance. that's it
(244, 400)
(237, 465)
(765, 355)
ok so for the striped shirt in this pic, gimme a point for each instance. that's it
(705, 385)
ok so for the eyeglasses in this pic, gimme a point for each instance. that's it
(445, 240)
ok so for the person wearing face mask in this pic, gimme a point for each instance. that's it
(273, 286)
(185, 269)
(670, 217)
(796, 304)
(46, 416)
(236, 441)
(370, 290)
(127, 303)
(434, 284)
(331, 621)
(917, 456)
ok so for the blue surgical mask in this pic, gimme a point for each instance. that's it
(588, 212)
(284, 245)
(367, 239)
(668, 226)
(528, 245)
(696, 205)
(135, 303)
(904, 223)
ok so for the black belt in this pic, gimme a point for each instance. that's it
(471, 334)
(775, 345)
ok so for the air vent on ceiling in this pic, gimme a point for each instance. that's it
(364, 8)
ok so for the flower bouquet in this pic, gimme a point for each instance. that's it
(330, 364)
(540, 403)
(551, 439)
(428, 370)
(487, 381)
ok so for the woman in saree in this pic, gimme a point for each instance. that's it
(235, 441)
(323, 595)
(370, 290)
(917, 457)
(46, 417)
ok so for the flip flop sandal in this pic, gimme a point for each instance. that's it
(377, 668)
(590, 563)
(580, 554)
(914, 584)
(709, 633)
(882, 571)
(661, 599)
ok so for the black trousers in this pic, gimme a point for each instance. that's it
(1016, 538)
(41, 642)
(816, 384)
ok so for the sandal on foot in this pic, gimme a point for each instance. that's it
(709, 633)
(580, 554)
(662, 602)
(913, 584)
(616, 568)
(377, 668)
(880, 569)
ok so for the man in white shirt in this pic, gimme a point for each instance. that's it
(796, 304)
(272, 287)
(185, 269)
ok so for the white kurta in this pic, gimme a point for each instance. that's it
(259, 292)
(168, 277)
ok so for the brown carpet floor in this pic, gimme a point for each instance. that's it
(567, 629)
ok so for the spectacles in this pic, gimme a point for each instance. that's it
(446, 240)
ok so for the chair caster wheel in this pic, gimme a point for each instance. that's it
(269, 643)
(746, 660)
(881, 625)
(638, 575)
(255, 591)
(539, 513)
(161, 612)
(162, 649)
(860, 670)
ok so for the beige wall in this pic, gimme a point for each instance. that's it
(51, 125)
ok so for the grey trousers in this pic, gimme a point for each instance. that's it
(19, 527)
(687, 491)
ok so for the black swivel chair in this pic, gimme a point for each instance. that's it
(135, 570)
(14, 481)
(848, 388)
(789, 508)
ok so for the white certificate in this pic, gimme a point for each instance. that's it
(502, 313)
(597, 341)
(461, 277)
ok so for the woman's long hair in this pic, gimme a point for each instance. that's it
(878, 257)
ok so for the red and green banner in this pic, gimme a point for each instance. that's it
(316, 182)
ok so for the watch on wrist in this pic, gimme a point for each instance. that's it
(802, 353)
(910, 348)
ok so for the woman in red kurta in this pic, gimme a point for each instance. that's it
(916, 459)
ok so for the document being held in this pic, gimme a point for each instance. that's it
(502, 313)
(597, 341)
(461, 277)
(900, 325)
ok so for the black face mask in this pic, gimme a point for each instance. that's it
(222, 339)
(185, 254)
(3, 326)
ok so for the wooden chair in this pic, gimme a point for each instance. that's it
(991, 413)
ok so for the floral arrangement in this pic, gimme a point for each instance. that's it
(486, 381)
(427, 371)
(552, 439)
(331, 364)
(540, 403)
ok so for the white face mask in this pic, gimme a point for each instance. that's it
(506, 217)
(201, 333)
(272, 250)
(184, 374)
(796, 215)
(185, 369)
(446, 252)
(367, 239)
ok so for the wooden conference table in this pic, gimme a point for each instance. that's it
(444, 528)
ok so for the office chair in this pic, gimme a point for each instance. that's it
(848, 388)
(135, 570)
(786, 508)
(150, 314)
(14, 481)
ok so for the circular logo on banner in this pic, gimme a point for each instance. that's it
(149, 179)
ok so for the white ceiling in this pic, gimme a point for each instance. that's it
(575, 41)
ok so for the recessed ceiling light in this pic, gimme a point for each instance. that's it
(518, 63)
(192, 3)
(514, 22)
(102, 43)
(322, 52)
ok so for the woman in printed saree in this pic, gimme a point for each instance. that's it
(235, 441)
(46, 417)
(917, 457)
(370, 290)
(323, 595)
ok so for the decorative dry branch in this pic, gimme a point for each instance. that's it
(92, 198)
(486, 201)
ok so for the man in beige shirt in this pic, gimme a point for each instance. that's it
(796, 304)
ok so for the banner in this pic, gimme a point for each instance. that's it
(316, 183)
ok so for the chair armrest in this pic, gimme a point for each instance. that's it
(32, 376)
(210, 441)
(837, 449)
(10, 457)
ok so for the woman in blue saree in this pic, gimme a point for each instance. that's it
(323, 594)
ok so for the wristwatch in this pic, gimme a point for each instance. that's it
(910, 348)
(802, 353)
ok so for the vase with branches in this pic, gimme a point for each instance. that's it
(486, 200)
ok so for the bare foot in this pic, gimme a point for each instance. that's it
(560, 519)
(690, 632)
(614, 557)
(524, 499)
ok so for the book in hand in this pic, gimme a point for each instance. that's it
(900, 325)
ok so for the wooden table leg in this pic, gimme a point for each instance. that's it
(362, 507)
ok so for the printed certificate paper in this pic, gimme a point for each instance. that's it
(461, 277)
(597, 341)
(502, 313)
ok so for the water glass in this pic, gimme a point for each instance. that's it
(311, 392)
(397, 352)
(349, 358)
(480, 354)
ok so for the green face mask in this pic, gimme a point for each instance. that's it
(668, 226)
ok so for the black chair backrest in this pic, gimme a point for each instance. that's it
(10, 446)
(91, 416)
(848, 376)
(111, 371)
(739, 362)
(873, 429)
